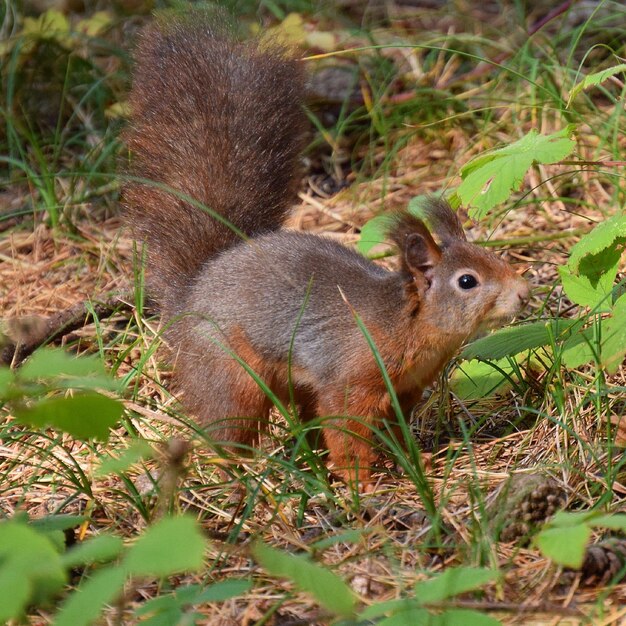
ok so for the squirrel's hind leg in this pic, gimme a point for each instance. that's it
(350, 415)
(224, 396)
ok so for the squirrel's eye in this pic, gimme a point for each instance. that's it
(467, 281)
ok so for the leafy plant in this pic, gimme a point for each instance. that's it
(566, 536)
(491, 177)
(335, 596)
(436, 592)
(54, 389)
(595, 79)
(34, 565)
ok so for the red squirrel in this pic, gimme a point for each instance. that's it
(220, 123)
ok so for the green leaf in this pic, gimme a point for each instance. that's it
(85, 605)
(565, 545)
(137, 451)
(414, 616)
(490, 178)
(30, 557)
(99, 549)
(15, 590)
(51, 523)
(453, 582)
(416, 205)
(374, 232)
(6, 380)
(169, 609)
(478, 379)
(389, 606)
(594, 79)
(52, 362)
(567, 519)
(590, 272)
(163, 611)
(609, 233)
(218, 592)
(61, 370)
(615, 521)
(511, 341)
(86, 415)
(580, 290)
(580, 348)
(172, 545)
(159, 604)
(325, 586)
(347, 536)
(614, 337)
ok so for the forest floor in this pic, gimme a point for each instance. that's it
(448, 83)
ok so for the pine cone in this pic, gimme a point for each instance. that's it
(604, 561)
(525, 501)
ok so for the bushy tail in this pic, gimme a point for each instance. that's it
(214, 122)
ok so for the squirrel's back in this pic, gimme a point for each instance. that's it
(215, 123)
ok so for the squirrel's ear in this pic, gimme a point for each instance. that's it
(443, 220)
(420, 252)
(417, 247)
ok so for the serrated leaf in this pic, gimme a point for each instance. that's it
(85, 605)
(453, 582)
(137, 451)
(605, 235)
(565, 545)
(581, 291)
(99, 549)
(493, 183)
(86, 415)
(326, 587)
(595, 79)
(171, 546)
(490, 178)
(511, 341)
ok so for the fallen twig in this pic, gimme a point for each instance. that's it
(29, 334)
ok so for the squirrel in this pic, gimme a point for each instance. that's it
(218, 125)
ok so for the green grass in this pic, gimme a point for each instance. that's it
(427, 112)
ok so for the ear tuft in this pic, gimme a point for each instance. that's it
(443, 220)
(417, 247)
